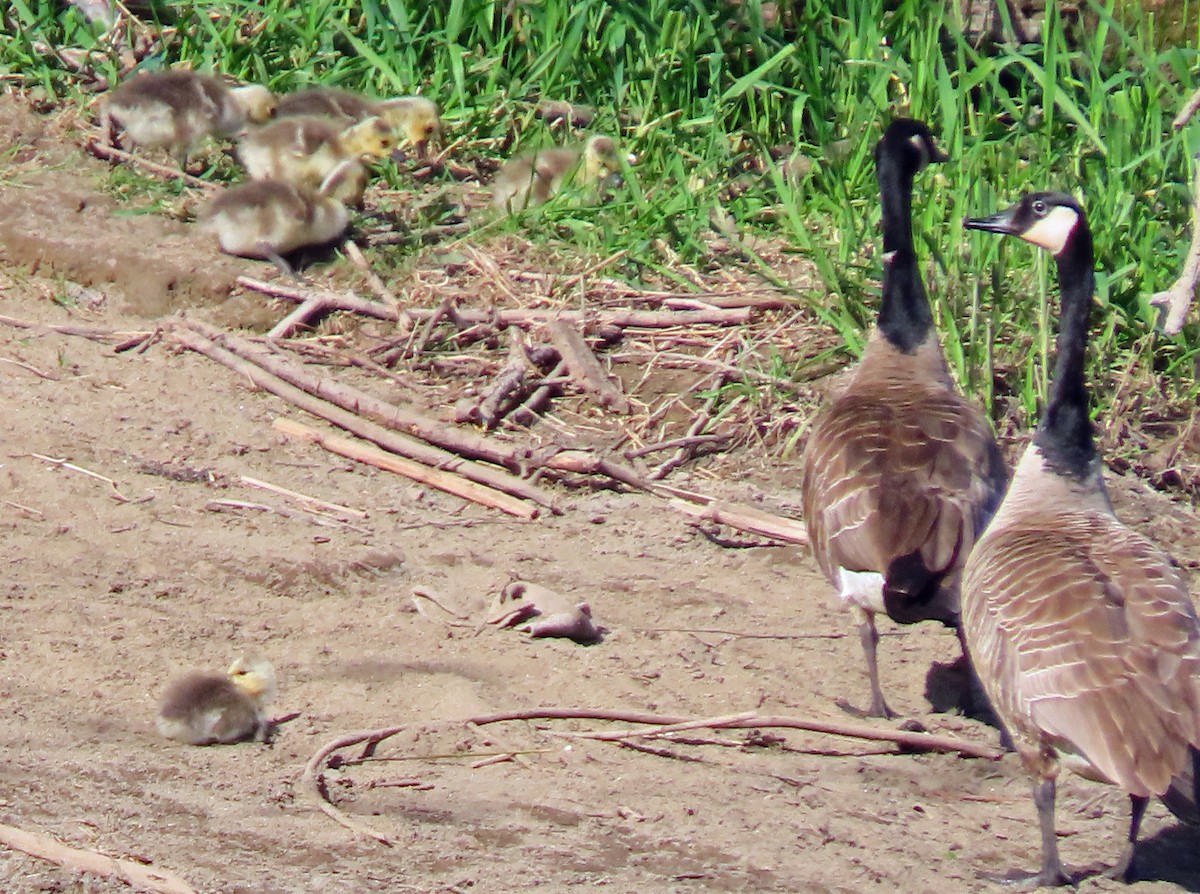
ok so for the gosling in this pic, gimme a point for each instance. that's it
(413, 118)
(534, 177)
(179, 110)
(267, 219)
(211, 709)
(304, 151)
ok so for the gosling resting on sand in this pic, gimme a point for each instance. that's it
(211, 709)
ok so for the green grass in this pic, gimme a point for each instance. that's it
(688, 84)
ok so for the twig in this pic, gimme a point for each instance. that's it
(388, 440)
(382, 292)
(672, 443)
(684, 451)
(224, 505)
(527, 413)
(1177, 299)
(111, 153)
(89, 332)
(301, 316)
(29, 368)
(509, 381)
(63, 464)
(584, 368)
(159, 881)
(312, 781)
(443, 480)
(725, 722)
(744, 518)
(303, 498)
(420, 593)
(626, 318)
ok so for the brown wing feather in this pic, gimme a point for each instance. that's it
(899, 470)
(1086, 640)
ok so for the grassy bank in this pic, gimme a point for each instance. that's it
(697, 88)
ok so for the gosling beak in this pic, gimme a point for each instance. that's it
(939, 157)
(1001, 222)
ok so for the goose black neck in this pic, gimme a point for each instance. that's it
(1065, 433)
(904, 316)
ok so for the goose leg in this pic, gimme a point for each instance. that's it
(869, 637)
(1052, 872)
(1124, 870)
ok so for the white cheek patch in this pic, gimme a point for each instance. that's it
(919, 145)
(1053, 230)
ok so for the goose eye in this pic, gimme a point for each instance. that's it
(1039, 208)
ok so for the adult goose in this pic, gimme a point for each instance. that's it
(1080, 629)
(901, 473)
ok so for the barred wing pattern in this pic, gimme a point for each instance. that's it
(1087, 642)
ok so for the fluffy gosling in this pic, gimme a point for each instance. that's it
(304, 151)
(534, 177)
(211, 709)
(267, 219)
(415, 119)
(178, 110)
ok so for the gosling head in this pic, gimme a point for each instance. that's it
(256, 102)
(414, 118)
(912, 143)
(369, 139)
(1045, 219)
(600, 158)
(254, 676)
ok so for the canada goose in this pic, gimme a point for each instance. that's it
(303, 151)
(177, 110)
(210, 709)
(901, 473)
(534, 177)
(268, 218)
(414, 118)
(1081, 630)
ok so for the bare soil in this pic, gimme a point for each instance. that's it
(110, 589)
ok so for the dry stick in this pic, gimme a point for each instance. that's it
(672, 443)
(301, 316)
(621, 318)
(225, 505)
(312, 781)
(745, 518)
(382, 292)
(509, 381)
(138, 875)
(89, 332)
(111, 153)
(389, 440)
(1178, 298)
(527, 413)
(701, 422)
(584, 368)
(335, 508)
(444, 481)
(359, 403)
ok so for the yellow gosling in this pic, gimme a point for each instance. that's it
(267, 219)
(211, 709)
(304, 151)
(178, 110)
(534, 177)
(414, 119)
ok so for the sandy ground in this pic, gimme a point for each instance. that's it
(110, 589)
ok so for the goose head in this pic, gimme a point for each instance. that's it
(911, 143)
(254, 675)
(1045, 219)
